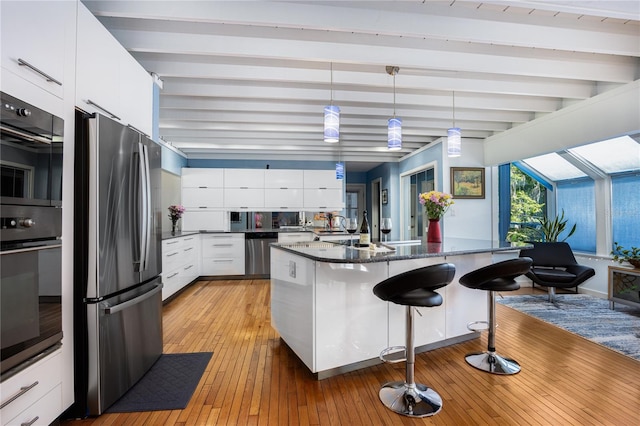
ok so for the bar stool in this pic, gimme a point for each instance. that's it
(411, 289)
(499, 276)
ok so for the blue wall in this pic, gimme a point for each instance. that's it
(172, 162)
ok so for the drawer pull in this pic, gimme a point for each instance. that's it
(22, 391)
(244, 187)
(203, 187)
(90, 102)
(172, 254)
(173, 242)
(35, 419)
(188, 267)
(283, 187)
(187, 249)
(223, 245)
(42, 73)
(222, 260)
(172, 275)
(188, 239)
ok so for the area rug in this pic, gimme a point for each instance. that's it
(586, 316)
(168, 385)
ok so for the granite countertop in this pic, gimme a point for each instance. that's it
(342, 252)
(178, 234)
(168, 235)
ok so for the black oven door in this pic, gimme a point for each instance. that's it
(30, 300)
(30, 155)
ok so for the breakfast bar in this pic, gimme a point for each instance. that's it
(323, 306)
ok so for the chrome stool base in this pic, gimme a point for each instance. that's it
(493, 363)
(412, 401)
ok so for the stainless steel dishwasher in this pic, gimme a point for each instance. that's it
(258, 254)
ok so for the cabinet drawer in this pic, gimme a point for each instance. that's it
(223, 266)
(31, 385)
(290, 237)
(44, 411)
(223, 246)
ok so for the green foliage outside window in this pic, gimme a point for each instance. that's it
(528, 198)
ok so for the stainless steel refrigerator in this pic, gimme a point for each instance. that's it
(117, 261)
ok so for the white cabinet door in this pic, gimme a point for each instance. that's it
(204, 220)
(283, 179)
(194, 198)
(34, 34)
(223, 254)
(97, 66)
(243, 198)
(202, 178)
(323, 199)
(136, 94)
(244, 178)
(293, 237)
(280, 199)
(321, 179)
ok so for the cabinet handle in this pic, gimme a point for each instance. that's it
(188, 267)
(42, 73)
(323, 187)
(244, 187)
(172, 254)
(187, 249)
(202, 207)
(223, 245)
(90, 102)
(222, 260)
(172, 275)
(284, 208)
(172, 242)
(35, 419)
(188, 239)
(22, 391)
(283, 187)
(203, 187)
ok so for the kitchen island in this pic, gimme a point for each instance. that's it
(323, 306)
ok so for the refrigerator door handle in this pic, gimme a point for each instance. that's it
(148, 215)
(142, 171)
(108, 310)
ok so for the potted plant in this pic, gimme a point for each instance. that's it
(552, 228)
(621, 255)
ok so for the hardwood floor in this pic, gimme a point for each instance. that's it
(253, 378)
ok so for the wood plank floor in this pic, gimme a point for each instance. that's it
(253, 378)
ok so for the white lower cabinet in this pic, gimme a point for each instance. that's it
(180, 263)
(223, 254)
(293, 237)
(34, 395)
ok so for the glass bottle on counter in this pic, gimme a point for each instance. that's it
(365, 232)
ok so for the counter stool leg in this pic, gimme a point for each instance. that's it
(409, 398)
(490, 361)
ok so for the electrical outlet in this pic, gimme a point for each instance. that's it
(292, 269)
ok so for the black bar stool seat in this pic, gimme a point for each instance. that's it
(410, 289)
(497, 277)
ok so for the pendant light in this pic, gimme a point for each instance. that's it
(331, 118)
(454, 145)
(394, 128)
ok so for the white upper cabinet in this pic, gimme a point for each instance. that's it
(283, 179)
(244, 178)
(322, 179)
(35, 37)
(202, 178)
(109, 80)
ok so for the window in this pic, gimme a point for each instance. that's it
(577, 198)
(625, 209)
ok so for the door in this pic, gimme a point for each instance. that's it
(115, 161)
(125, 342)
(153, 250)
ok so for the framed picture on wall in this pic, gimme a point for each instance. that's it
(467, 182)
(384, 197)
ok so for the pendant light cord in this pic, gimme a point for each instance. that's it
(331, 83)
(454, 108)
(394, 94)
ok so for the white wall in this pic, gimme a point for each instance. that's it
(469, 218)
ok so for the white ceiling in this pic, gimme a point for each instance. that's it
(249, 80)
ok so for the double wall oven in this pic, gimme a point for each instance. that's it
(30, 233)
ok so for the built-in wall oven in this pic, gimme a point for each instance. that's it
(30, 233)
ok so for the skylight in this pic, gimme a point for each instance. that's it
(554, 167)
(611, 156)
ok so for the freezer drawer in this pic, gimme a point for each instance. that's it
(127, 341)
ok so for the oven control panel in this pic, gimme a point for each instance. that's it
(16, 222)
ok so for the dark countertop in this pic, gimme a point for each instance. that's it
(341, 252)
(178, 234)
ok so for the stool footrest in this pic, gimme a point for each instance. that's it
(478, 325)
(394, 354)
